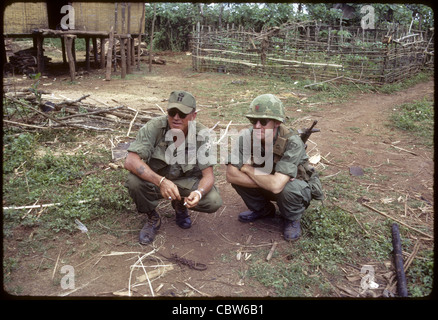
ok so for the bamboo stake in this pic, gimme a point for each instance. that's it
(147, 277)
(69, 48)
(193, 288)
(130, 125)
(398, 260)
(123, 54)
(271, 252)
(152, 37)
(401, 222)
(109, 54)
(56, 264)
(43, 205)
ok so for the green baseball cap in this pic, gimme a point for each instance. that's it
(183, 101)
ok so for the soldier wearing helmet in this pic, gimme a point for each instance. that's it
(286, 182)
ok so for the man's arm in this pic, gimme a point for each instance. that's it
(235, 176)
(271, 182)
(137, 166)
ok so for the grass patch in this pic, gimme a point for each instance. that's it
(416, 117)
(332, 238)
(407, 83)
(49, 176)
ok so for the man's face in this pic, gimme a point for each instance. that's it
(179, 120)
(266, 128)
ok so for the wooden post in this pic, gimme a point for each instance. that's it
(129, 42)
(139, 36)
(102, 52)
(198, 40)
(68, 39)
(138, 52)
(128, 54)
(40, 53)
(94, 39)
(152, 38)
(116, 31)
(123, 54)
(109, 53)
(64, 58)
(87, 53)
(131, 39)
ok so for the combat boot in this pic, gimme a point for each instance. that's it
(250, 216)
(292, 230)
(150, 228)
(182, 217)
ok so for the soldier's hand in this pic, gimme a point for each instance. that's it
(169, 190)
(192, 200)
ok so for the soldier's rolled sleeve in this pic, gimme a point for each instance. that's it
(144, 142)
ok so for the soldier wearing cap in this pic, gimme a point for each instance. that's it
(154, 175)
(286, 182)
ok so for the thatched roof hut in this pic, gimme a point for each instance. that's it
(92, 20)
(21, 18)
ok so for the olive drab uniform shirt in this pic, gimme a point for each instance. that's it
(289, 158)
(286, 162)
(151, 146)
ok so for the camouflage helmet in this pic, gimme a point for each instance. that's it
(266, 106)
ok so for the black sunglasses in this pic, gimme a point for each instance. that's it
(174, 111)
(263, 122)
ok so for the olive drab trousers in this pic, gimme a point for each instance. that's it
(146, 195)
(292, 201)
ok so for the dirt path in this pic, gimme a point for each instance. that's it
(352, 133)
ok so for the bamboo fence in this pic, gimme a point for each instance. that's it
(309, 50)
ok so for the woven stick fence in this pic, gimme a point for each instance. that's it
(313, 51)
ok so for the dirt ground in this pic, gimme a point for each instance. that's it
(214, 239)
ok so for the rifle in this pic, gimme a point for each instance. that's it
(305, 133)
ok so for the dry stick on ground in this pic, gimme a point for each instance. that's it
(24, 124)
(130, 125)
(60, 121)
(70, 102)
(193, 288)
(56, 264)
(271, 252)
(401, 222)
(90, 113)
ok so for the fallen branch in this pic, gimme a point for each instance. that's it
(70, 102)
(130, 124)
(271, 252)
(43, 205)
(193, 288)
(408, 151)
(401, 222)
(398, 261)
(90, 113)
(155, 273)
(24, 124)
(314, 84)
